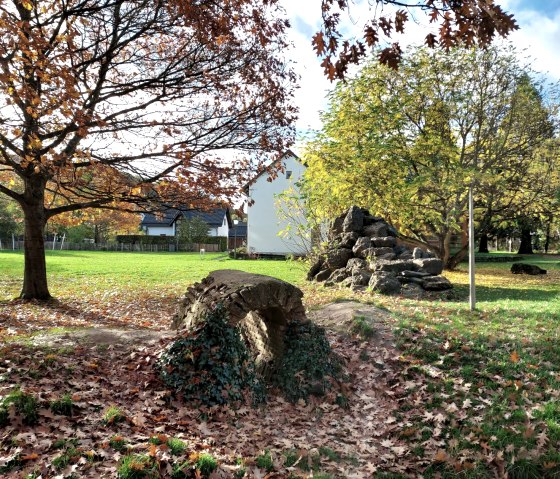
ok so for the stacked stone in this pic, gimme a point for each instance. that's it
(364, 252)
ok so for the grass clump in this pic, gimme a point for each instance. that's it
(69, 456)
(264, 461)
(137, 466)
(308, 366)
(203, 464)
(240, 473)
(329, 454)
(362, 327)
(118, 443)
(182, 470)
(26, 405)
(211, 364)
(158, 439)
(176, 446)
(63, 406)
(206, 464)
(113, 415)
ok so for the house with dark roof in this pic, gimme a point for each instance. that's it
(237, 235)
(165, 224)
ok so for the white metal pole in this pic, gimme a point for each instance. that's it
(472, 289)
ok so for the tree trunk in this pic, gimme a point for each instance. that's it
(453, 261)
(445, 246)
(35, 270)
(526, 246)
(547, 241)
(483, 243)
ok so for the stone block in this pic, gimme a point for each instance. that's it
(436, 283)
(384, 241)
(338, 275)
(362, 243)
(395, 266)
(361, 278)
(377, 230)
(384, 283)
(429, 265)
(356, 263)
(354, 220)
(323, 275)
(348, 240)
(337, 258)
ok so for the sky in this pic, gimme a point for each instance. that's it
(539, 34)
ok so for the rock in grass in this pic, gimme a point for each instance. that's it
(525, 268)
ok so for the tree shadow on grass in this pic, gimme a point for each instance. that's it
(498, 293)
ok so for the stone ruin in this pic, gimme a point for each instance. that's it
(364, 251)
(261, 306)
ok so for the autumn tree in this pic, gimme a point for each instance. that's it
(454, 23)
(96, 224)
(102, 100)
(407, 144)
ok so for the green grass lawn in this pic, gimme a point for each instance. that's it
(90, 272)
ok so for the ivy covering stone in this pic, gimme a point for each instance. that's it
(213, 362)
(210, 364)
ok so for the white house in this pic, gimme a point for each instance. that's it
(218, 221)
(264, 221)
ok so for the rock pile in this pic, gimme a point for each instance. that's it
(364, 252)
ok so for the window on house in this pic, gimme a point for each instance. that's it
(288, 174)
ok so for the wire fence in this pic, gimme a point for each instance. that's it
(14, 244)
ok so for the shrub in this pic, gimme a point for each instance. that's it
(308, 366)
(25, 405)
(211, 364)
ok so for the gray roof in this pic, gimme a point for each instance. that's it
(238, 230)
(213, 218)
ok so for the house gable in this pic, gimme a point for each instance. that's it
(264, 222)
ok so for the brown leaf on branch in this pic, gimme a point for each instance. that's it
(401, 18)
(466, 22)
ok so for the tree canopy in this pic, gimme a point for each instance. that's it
(102, 100)
(409, 143)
